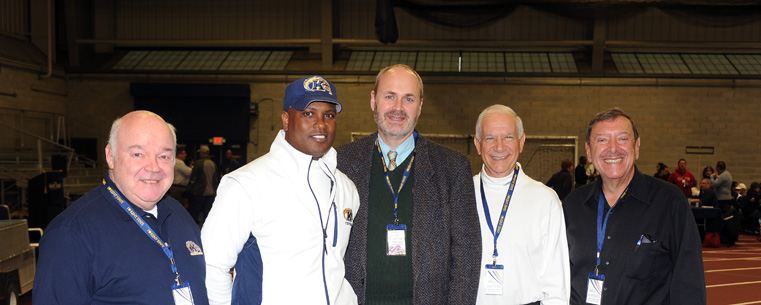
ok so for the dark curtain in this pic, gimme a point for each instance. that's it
(727, 16)
(476, 13)
(385, 22)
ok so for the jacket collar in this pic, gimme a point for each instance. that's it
(294, 160)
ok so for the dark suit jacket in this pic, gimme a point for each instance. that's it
(562, 183)
(446, 241)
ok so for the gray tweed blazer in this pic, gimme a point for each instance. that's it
(446, 242)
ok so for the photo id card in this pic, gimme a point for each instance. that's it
(594, 288)
(182, 294)
(494, 279)
(395, 240)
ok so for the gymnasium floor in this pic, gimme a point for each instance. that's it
(733, 274)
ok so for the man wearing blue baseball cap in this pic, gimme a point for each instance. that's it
(283, 220)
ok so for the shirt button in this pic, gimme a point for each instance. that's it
(609, 237)
(605, 288)
(607, 263)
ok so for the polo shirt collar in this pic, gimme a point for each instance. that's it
(163, 210)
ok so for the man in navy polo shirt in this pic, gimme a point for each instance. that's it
(124, 242)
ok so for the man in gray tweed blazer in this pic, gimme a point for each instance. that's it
(415, 238)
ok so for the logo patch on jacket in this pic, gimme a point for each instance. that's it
(193, 248)
(349, 216)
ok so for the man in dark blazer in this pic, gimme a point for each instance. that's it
(415, 238)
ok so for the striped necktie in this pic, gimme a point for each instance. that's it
(391, 160)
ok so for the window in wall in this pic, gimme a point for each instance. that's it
(244, 61)
(385, 59)
(131, 60)
(663, 64)
(204, 60)
(162, 60)
(709, 64)
(438, 61)
(360, 61)
(563, 63)
(627, 63)
(746, 63)
(528, 62)
(483, 62)
(277, 60)
(492, 62)
(687, 63)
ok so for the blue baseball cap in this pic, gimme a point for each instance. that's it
(301, 93)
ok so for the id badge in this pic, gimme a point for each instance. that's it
(594, 288)
(182, 294)
(395, 240)
(494, 279)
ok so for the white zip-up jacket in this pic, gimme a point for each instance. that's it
(266, 223)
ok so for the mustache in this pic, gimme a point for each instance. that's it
(396, 112)
(613, 155)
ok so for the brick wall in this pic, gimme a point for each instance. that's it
(669, 117)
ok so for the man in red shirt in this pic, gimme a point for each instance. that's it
(683, 179)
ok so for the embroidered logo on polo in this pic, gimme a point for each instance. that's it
(349, 216)
(193, 248)
(316, 83)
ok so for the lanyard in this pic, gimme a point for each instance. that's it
(146, 229)
(601, 225)
(388, 180)
(324, 224)
(509, 196)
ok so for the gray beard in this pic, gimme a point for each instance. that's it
(396, 135)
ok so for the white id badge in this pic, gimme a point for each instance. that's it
(494, 279)
(594, 288)
(182, 294)
(395, 240)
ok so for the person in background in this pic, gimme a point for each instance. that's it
(663, 171)
(228, 164)
(580, 173)
(202, 187)
(181, 177)
(591, 171)
(531, 267)
(682, 178)
(632, 238)
(750, 209)
(562, 181)
(124, 242)
(707, 196)
(721, 182)
(707, 172)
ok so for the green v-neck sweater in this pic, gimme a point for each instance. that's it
(389, 278)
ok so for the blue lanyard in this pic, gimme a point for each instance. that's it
(146, 229)
(601, 225)
(388, 179)
(501, 215)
